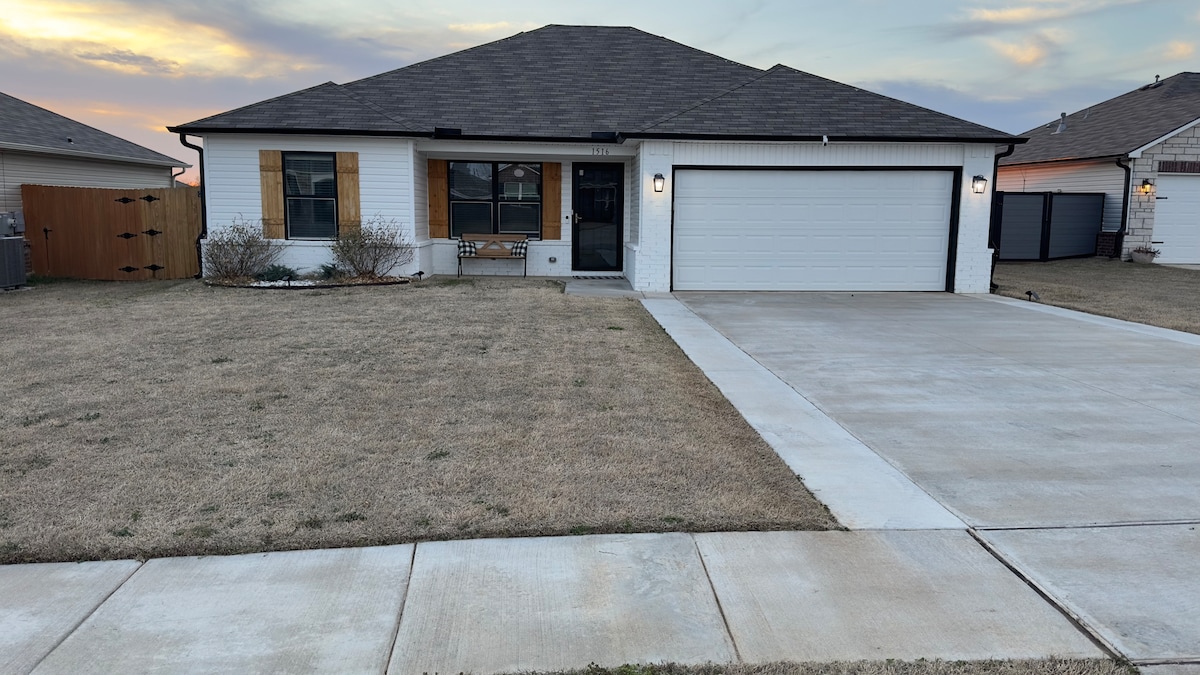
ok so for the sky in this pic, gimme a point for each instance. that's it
(134, 67)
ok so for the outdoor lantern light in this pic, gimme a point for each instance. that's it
(659, 182)
(978, 184)
(1147, 186)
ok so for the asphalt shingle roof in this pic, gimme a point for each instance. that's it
(568, 82)
(1118, 126)
(784, 101)
(28, 127)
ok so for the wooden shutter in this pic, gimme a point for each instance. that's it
(349, 212)
(551, 200)
(439, 199)
(270, 177)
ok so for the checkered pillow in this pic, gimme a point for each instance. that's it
(519, 248)
(466, 248)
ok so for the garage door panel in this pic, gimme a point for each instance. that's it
(811, 230)
(1177, 219)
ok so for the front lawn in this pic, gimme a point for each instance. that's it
(146, 419)
(1168, 297)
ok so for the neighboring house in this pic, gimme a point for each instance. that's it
(1141, 149)
(44, 148)
(618, 153)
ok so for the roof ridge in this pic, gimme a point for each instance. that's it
(705, 101)
(375, 107)
(442, 57)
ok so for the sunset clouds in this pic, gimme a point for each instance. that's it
(132, 67)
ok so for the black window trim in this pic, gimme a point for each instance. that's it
(287, 225)
(495, 201)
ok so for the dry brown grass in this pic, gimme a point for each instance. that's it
(934, 667)
(1168, 297)
(172, 418)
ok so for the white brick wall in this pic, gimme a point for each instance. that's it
(232, 190)
(392, 175)
(651, 260)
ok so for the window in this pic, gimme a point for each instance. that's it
(310, 192)
(495, 198)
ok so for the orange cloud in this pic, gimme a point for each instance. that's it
(1179, 50)
(1031, 51)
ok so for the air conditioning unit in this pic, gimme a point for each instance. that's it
(12, 262)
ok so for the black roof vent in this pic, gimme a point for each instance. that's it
(447, 131)
(604, 135)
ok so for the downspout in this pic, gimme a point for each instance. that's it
(995, 245)
(1119, 244)
(203, 203)
(175, 176)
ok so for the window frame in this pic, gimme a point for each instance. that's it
(287, 217)
(497, 198)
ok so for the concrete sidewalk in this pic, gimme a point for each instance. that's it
(532, 604)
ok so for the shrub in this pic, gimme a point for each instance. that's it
(239, 251)
(330, 272)
(373, 251)
(276, 273)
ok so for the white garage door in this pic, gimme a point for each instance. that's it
(811, 230)
(1177, 219)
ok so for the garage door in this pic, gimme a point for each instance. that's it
(1177, 219)
(811, 230)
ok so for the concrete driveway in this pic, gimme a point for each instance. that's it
(1042, 429)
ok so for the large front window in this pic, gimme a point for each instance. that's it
(495, 197)
(310, 190)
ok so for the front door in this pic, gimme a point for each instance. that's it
(598, 222)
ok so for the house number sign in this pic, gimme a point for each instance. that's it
(599, 151)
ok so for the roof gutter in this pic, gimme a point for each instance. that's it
(995, 217)
(23, 147)
(203, 202)
(822, 138)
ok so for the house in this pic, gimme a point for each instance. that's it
(618, 152)
(1141, 149)
(44, 148)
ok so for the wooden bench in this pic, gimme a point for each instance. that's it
(472, 245)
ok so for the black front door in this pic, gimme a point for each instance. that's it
(598, 218)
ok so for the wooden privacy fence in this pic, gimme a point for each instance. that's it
(103, 233)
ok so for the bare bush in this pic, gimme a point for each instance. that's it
(239, 251)
(372, 251)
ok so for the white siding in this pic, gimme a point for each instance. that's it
(1104, 176)
(17, 168)
(385, 172)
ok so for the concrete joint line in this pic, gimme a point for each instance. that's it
(1075, 620)
(1095, 526)
(412, 561)
(737, 653)
(87, 616)
(1185, 661)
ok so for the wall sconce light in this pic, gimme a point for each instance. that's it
(659, 182)
(978, 185)
(1146, 187)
